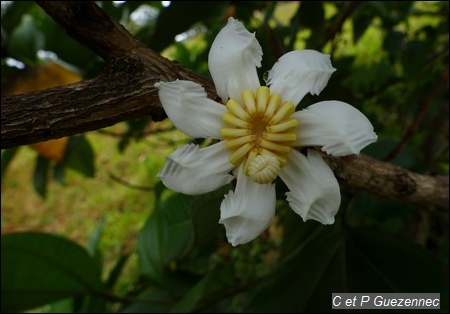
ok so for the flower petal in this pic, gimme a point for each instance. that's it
(188, 107)
(248, 211)
(300, 72)
(314, 190)
(339, 128)
(233, 58)
(193, 170)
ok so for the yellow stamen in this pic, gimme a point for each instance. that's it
(231, 120)
(288, 124)
(280, 137)
(262, 97)
(230, 133)
(248, 97)
(236, 108)
(280, 148)
(238, 142)
(272, 106)
(238, 156)
(284, 111)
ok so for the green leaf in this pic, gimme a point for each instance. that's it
(62, 306)
(394, 41)
(413, 59)
(206, 214)
(58, 172)
(40, 175)
(94, 242)
(361, 21)
(80, 156)
(217, 279)
(165, 236)
(188, 302)
(157, 301)
(7, 156)
(312, 15)
(117, 270)
(26, 40)
(150, 246)
(39, 268)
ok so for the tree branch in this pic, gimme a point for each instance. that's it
(390, 181)
(125, 90)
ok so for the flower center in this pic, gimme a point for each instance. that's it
(260, 133)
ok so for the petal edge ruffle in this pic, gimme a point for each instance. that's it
(300, 72)
(192, 170)
(313, 189)
(232, 61)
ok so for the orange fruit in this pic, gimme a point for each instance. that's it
(52, 149)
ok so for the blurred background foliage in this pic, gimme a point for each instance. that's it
(87, 227)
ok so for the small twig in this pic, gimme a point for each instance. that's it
(130, 185)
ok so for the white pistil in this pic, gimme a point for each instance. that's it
(263, 169)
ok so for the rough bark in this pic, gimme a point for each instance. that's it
(124, 90)
(390, 181)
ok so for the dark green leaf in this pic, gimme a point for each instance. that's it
(394, 41)
(63, 306)
(80, 156)
(40, 175)
(26, 40)
(165, 236)
(311, 15)
(39, 268)
(413, 59)
(150, 246)
(206, 214)
(58, 172)
(94, 242)
(117, 270)
(362, 19)
(93, 304)
(157, 301)
(7, 156)
(217, 279)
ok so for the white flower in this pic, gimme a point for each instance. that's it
(258, 128)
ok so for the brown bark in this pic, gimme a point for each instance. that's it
(125, 90)
(390, 181)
